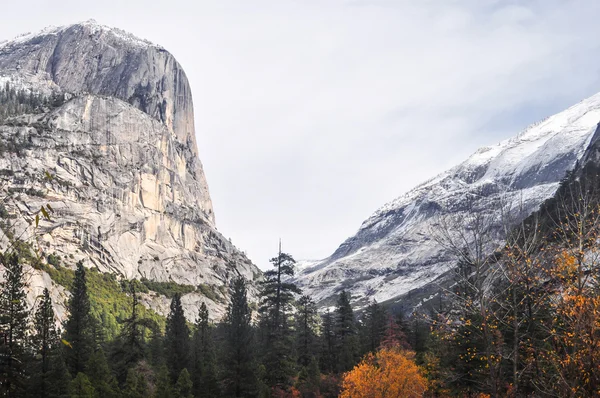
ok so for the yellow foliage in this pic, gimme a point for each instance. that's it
(391, 372)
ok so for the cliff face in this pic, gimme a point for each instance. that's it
(89, 58)
(128, 189)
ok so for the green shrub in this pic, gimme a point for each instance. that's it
(53, 259)
(110, 304)
(168, 289)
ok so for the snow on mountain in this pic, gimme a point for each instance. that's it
(92, 27)
(393, 252)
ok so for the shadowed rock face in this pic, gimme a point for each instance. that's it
(129, 191)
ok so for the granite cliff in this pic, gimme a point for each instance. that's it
(116, 134)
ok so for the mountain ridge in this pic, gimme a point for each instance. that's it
(393, 253)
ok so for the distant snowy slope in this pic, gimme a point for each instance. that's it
(392, 253)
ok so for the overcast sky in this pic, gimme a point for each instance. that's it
(312, 114)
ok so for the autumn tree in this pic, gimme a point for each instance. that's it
(389, 373)
(471, 238)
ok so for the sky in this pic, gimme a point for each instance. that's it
(311, 114)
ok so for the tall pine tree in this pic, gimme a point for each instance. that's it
(78, 330)
(328, 344)
(239, 377)
(345, 332)
(205, 377)
(13, 327)
(306, 327)
(276, 307)
(373, 327)
(177, 339)
(130, 346)
(44, 346)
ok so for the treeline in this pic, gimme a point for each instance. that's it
(284, 349)
(523, 322)
(19, 101)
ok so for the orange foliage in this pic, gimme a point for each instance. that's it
(575, 331)
(391, 372)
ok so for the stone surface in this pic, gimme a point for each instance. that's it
(128, 189)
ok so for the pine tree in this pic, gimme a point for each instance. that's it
(345, 332)
(44, 345)
(177, 339)
(163, 384)
(100, 375)
(81, 387)
(13, 326)
(78, 332)
(239, 378)
(130, 343)
(143, 390)
(374, 327)
(59, 374)
(130, 390)
(328, 345)
(183, 387)
(306, 325)
(205, 378)
(276, 307)
(156, 348)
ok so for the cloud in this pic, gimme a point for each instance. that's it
(312, 114)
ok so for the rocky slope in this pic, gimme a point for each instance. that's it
(128, 190)
(393, 254)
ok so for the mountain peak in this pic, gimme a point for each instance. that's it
(94, 29)
(91, 58)
(393, 252)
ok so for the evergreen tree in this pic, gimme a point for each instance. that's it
(345, 332)
(78, 332)
(177, 339)
(100, 375)
(156, 349)
(143, 390)
(183, 387)
(328, 345)
(163, 383)
(239, 379)
(205, 378)
(130, 390)
(131, 345)
(44, 345)
(81, 387)
(13, 326)
(306, 325)
(277, 297)
(373, 328)
(59, 375)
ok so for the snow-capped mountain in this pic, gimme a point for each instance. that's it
(114, 125)
(393, 252)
